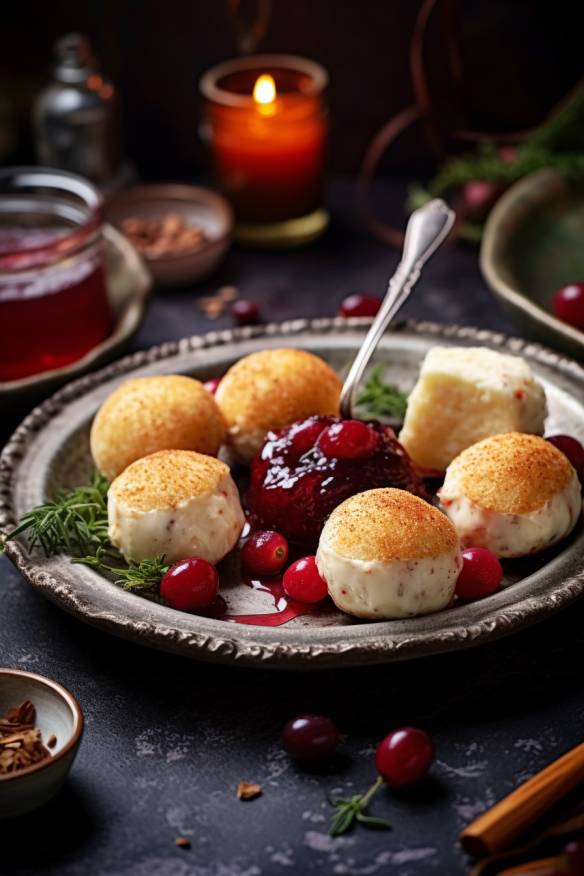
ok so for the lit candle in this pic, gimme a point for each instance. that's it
(266, 122)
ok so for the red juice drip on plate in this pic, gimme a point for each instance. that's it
(286, 609)
(52, 316)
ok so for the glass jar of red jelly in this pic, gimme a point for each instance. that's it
(53, 298)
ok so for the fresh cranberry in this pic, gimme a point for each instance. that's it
(190, 584)
(304, 435)
(264, 553)
(310, 737)
(570, 447)
(480, 575)
(245, 312)
(349, 439)
(478, 195)
(359, 305)
(574, 858)
(568, 304)
(404, 756)
(212, 385)
(302, 581)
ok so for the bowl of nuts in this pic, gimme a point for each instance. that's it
(181, 231)
(41, 725)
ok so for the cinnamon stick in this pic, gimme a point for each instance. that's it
(497, 828)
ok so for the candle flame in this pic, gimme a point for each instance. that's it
(264, 90)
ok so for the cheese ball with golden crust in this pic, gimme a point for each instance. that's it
(388, 554)
(147, 414)
(514, 494)
(177, 503)
(267, 391)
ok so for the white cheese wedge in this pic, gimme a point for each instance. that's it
(465, 394)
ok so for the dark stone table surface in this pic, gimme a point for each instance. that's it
(168, 740)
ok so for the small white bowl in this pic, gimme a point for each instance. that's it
(58, 713)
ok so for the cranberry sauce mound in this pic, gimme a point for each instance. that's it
(305, 471)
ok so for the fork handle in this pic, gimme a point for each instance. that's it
(427, 228)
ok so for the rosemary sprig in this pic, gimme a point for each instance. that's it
(382, 399)
(136, 576)
(74, 522)
(353, 809)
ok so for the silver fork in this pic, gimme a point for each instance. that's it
(427, 228)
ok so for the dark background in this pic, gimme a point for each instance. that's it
(167, 740)
(518, 59)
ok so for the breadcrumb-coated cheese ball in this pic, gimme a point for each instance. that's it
(177, 503)
(268, 390)
(514, 494)
(147, 414)
(388, 554)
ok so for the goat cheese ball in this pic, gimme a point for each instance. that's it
(388, 554)
(514, 494)
(177, 503)
(268, 390)
(465, 394)
(147, 414)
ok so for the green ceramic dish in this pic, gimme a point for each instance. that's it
(533, 244)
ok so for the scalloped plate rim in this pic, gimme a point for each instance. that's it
(292, 648)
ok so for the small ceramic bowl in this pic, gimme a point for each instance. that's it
(58, 713)
(532, 245)
(198, 207)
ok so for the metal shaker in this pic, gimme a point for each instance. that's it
(75, 116)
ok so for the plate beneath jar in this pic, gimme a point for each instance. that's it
(50, 451)
(128, 287)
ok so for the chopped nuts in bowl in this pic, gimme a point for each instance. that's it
(181, 231)
(41, 725)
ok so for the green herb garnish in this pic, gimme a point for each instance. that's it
(143, 575)
(75, 523)
(382, 399)
(352, 809)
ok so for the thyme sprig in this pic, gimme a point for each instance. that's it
(382, 399)
(353, 809)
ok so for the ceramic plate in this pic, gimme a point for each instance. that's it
(50, 450)
(532, 245)
(128, 287)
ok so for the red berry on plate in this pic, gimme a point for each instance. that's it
(359, 305)
(404, 756)
(568, 304)
(245, 312)
(481, 574)
(190, 584)
(310, 737)
(304, 434)
(264, 553)
(570, 447)
(303, 582)
(212, 385)
(349, 439)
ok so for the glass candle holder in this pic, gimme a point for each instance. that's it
(53, 299)
(266, 122)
